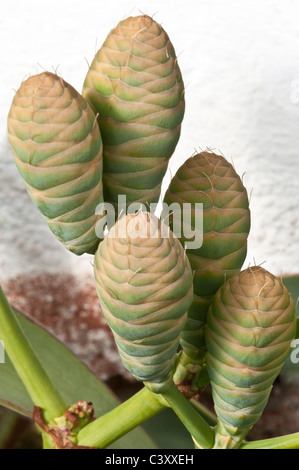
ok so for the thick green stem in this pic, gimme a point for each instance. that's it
(122, 419)
(28, 367)
(289, 441)
(192, 420)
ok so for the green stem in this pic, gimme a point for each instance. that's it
(290, 441)
(28, 367)
(47, 441)
(122, 419)
(193, 421)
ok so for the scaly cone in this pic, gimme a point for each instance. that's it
(135, 85)
(211, 180)
(250, 327)
(57, 147)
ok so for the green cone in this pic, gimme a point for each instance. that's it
(144, 282)
(209, 179)
(135, 84)
(57, 147)
(250, 327)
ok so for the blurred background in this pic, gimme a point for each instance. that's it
(240, 64)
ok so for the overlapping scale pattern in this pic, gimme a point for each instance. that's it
(144, 282)
(211, 180)
(57, 147)
(135, 84)
(250, 327)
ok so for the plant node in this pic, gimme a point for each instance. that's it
(63, 431)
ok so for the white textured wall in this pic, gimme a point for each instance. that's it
(240, 63)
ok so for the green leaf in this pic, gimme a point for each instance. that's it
(71, 378)
(168, 432)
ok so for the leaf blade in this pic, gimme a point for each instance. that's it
(72, 379)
